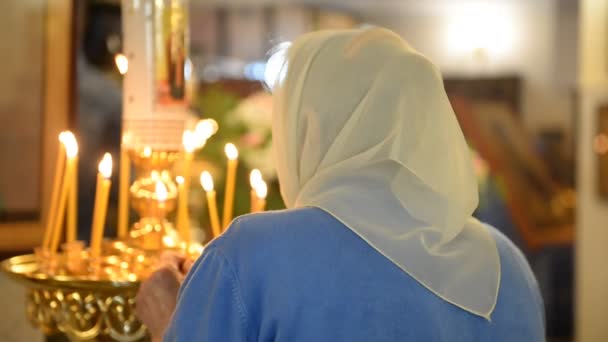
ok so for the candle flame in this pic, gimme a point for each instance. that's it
(127, 138)
(207, 181)
(179, 180)
(261, 190)
(196, 248)
(164, 175)
(105, 165)
(161, 191)
(255, 177)
(206, 128)
(169, 241)
(122, 63)
(189, 141)
(147, 151)
(68, 140)
(231, 152)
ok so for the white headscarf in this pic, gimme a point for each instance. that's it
(363, 130)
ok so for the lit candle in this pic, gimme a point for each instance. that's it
(232, 154)
(73, 200)
(71, 150)
(161, 195)
(182, 210)
(147, 152)
(261, 190)
(122, 63)
(204, 130)
(101, 204)
(123, 191)
(59, 173)
(254, 178)
(207, 183)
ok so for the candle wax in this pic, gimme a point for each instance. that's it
(52, 213)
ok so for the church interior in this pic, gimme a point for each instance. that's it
(527, 80)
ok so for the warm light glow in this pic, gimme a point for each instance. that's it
(147, 151)
(196, 248)
(189, 141)
(261, 190)
(105, 166)
(204, 130)
(480, 29)
(600, 143)
(206, 181)
(165, 175)
(179, 180)
(161, 191)
(122, 63)
(68, 140)
(169, 241)
(231, 152)
(126, 138)
(255, 177)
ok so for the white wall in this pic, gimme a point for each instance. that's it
(541, 35)
(592, 222)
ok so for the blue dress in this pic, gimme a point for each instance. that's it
(301, 275)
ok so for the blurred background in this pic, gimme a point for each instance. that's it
(528, 81)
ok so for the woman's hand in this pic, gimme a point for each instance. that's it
(157, 296)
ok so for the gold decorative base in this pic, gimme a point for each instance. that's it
(81, 308)
(85, 315)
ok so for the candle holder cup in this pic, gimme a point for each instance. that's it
(75, 256)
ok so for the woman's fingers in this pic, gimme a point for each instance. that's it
(172, 258)
(187, 265)
(157, 298)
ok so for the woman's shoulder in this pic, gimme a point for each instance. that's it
(277, 222)
(514, 267)
(273, 229)
(518, 285)
(507, 250)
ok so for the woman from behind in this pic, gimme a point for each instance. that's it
(378, 242)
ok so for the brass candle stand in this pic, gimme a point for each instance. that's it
(82, 307)
(84, 301)
(92, 299)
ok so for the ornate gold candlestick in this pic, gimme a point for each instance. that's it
(153, 196)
